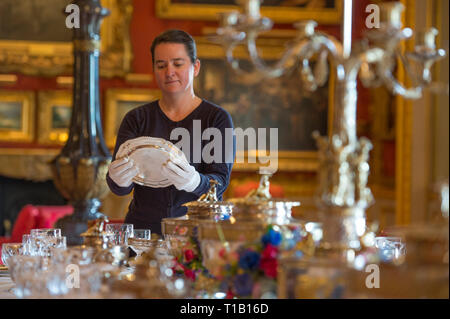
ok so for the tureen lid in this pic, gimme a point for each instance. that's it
(207, 200)
(96, 228)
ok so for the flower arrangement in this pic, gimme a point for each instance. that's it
(247, 272)
(188, 260)
(251, 270)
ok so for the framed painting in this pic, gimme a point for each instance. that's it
(279, 103)
(280, 11)
(55, 111)
(118, 103)
(35, 41)
(17, 109)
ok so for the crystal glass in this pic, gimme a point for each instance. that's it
(390, 249)
(34, 278)
(43, 239)
(27, 245)
(140, 240)
(24, 271)
(121, 232)
(50, 232)
(78, 255)
(9, 250)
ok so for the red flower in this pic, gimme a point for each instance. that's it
(269, 252)
(188, 255)
(189, 274)
(229, 295)
(269, 266)
(222, 253)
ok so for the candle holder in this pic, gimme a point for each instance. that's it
(79, 170)
(343, 194)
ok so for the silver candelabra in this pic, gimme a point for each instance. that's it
(343, 158)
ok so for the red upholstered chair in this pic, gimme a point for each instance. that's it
(276, 191)
(49, 215)
(25, 221)
(31, 217)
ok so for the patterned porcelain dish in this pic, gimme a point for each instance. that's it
(149, 154)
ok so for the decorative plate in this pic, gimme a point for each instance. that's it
(149, 154)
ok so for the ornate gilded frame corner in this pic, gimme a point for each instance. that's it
(26, 131)
(272, 47)
(113, 97)
(167, 9)
(47, 134)
(56, 58)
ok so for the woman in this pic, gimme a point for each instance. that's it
(175, 66)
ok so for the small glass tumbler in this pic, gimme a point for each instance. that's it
(121, 232)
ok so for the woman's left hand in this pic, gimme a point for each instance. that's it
(182, 175)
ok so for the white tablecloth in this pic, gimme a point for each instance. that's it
(5, 287)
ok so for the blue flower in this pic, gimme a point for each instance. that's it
(249, 260)
(272, 237)
(223, 286)
(243, 285)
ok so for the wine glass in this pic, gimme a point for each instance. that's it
(140, 241)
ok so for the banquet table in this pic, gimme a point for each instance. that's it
(6, 285)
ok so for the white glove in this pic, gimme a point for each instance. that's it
(182, 175)
(122, 172)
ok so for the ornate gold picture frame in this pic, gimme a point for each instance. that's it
(289, 159)
(118, 102)
(17, 109)
(324, 12)
(51, 58)
(55, 111)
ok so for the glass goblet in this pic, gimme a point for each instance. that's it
(140, 241)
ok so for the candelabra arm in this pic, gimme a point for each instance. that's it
(299, 52)
(370, 56)
(398, 89)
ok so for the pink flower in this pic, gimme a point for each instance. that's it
(188, 255)
(230, 257)
(182, 231)
(269, 266)
(270, 251)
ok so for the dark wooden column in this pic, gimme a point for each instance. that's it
(80, 169)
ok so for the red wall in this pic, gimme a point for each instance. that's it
(145, 26)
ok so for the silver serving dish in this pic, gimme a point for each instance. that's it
(207, 207)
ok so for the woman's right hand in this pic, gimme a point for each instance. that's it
(122, 172)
